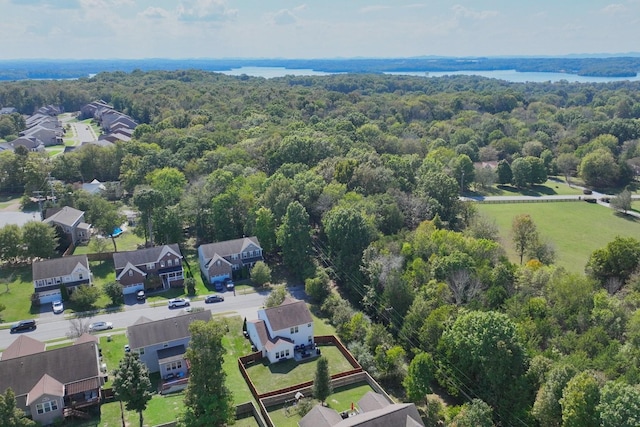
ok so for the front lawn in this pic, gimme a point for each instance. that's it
(16, 288)
(340, 400)
(268, 377)
(236, 345)
(553, 186)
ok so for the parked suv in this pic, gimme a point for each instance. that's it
(23, 325)
(140, 296)
(178, 302)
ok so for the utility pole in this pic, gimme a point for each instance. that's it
(38, 195)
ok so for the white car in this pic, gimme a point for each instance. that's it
(178, 302)
(100, 326)
(58, 307)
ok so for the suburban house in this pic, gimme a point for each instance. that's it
(88, 111)
(52, 384)
(162, 344)
(71, 221)
(280, 331)
(159, 267)
(31, 143)
(50, 274)
(374, 410)
(8, 110)
(219, 260)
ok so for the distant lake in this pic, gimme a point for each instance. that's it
(508, 75)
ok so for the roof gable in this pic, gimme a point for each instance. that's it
(59, 267)
(287, 315)
(22, 346)
(174, 328)
(67, 216)
(130, 267)
(228, 247)
(46, 386)
(144, 256)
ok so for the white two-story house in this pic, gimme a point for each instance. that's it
(280, 330)
(50, 274)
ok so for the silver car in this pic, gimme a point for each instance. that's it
(100, 326)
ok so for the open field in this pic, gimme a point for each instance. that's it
(269, 377)
(553, 186)
(340, 400)
(576, 229)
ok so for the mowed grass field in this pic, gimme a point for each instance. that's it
(575, 229)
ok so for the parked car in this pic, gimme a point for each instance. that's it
(140, 296)
(213, 298)
(100, 326)
(178, 302)
(229, 284)
(58, 307)
(23, 325)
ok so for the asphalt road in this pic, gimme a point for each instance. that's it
(52, 326)
(84, 132)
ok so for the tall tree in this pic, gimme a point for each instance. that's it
(260, 273)
(10, 242)
(169, 181)
(10, 414)
(265, 229)
(619, 405)
(419, 376)
(108, 221)
(599, 169)
(474, 414)
(442, 191)
(522, 173)
(622, 202)
(40, 240)
(505, 174)
(546, 408)
(132, 385)
(617, 260)
(486, 346)
(322, 381)
(525, 234)
(580, 401)
(208, 400)
(147, 200)
(294, 237)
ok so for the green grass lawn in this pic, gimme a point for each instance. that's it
(576, 229)
(340, 400)
(555, 186)
(274, 376)
(17, 297)
(236, 345)
(127, 241)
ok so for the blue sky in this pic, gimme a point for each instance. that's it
(315, 28)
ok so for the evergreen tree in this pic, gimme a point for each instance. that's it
(207, 399)
(322, 382)
(132, 385)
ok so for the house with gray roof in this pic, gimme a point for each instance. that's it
(374, 410)
(44, 134)
(53, 384)
(219, 260)
(162, 344)
(8, 110)
(50, 274)
(71, 221)
(280, 330)
(159, 267)
(31, 143)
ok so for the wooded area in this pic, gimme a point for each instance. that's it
(357, 178)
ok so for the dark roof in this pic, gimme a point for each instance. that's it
(288, 314)
(57, 267)
(22, 346)
(320, 416)
(66, 216)
(174, 328)
(372, 401)
(142, 256)
(228, 247)
(66, 364)
(171, 354)
(86, 337)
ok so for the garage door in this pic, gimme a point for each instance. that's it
(51, 296)
(132, 289)
(219, 278)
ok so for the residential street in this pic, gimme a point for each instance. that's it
(51, 326)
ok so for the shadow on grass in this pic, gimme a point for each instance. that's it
(627, 217)
(533, 191)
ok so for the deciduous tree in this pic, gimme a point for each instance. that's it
(294, 237)
(420, 373)
(619, 405)
(132, 385)
(524, 233)
(113, 290)
(39, 239)
(260, 273)
(580, 401)
(10, 414)
(622, 202)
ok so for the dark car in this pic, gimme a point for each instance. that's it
(213, 298)
(140, 296)
(23, 325)
(229, 284)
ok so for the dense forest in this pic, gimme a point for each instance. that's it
(605, 66)
(354, 180)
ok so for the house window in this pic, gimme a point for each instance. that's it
(80, 276)
(277, 355)
(151, 266)
(174, 365)
(44, 407)
(141, 351)
(294, 330)
(130, 273)
(287, 353)
(169, 262)
(310, 338)
(234, 256)
(161, 264)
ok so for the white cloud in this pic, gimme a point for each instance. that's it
(614, 8)
(284, 17)
(374, 8)
(155, 13)
(460, 10)
(53, 4)
(205, 10)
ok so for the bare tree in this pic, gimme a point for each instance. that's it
(463, 286)
(78, 327)
(613, 284)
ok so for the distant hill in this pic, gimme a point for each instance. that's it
(593, 66)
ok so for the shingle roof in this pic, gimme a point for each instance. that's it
(143, 256)
(46, 385)
(66, 216)
(261, 329)
(228, 247)
(171, 354)
(288, 314)
(86, 337)
(22, 346)
(320, 416)
(145, 334)
(57, 267)
(372, 401)
(66, 364)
